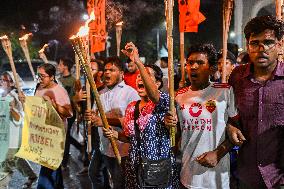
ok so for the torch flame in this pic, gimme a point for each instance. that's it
(83, 31)
(43, 48)
(92, 17)
(119, 23)
(73, 37)
(3, 37)
(25, 37)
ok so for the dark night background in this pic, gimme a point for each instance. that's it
(54, 21)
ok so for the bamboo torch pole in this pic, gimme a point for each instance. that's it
(77, 45)
(227, 12)
(23, 43)
(6, 44)
(118, 32)
(41, 53)
(77, 67)
(278, 7)
(89, 105)
(169, 18)
(182, 59)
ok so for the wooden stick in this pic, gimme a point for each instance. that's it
(182, 59)
(83, 62)
(118, 32)
(42, 55)
(227, 12)
(89, 105)
(77, 67)
(6, 44)
(278, 8)
(169, 16)
(23, 43)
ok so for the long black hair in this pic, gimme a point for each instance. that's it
(49, 69)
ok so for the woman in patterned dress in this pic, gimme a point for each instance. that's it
(155, 140)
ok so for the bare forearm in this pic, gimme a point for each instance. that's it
(150, 86)
(224, 148)
(64, 111)
(15, 115)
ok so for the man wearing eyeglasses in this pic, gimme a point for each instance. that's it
(259, 92)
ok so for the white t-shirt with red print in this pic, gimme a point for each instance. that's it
(203, 115)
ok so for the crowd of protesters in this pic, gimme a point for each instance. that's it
(229, 135)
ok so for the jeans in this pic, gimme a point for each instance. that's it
(97, 172)
(50, 179)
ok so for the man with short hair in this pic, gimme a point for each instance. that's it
(67, 80)
(114, 97)
(204, 109)
(231, 62)
(259, 89)
(131, 76)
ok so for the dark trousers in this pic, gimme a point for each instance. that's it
(98, 173)
(70, 140)
(117, 173)
(50, 179)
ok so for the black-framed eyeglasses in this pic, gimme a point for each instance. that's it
(41, 76)
(266, 44)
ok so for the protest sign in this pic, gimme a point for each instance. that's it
(43, 137)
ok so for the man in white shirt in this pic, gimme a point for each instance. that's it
(204, 109)
(115, 97)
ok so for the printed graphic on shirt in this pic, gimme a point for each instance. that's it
(210, 105)
(195, 109)
(197, 124)
(195, 118)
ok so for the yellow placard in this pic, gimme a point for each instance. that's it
(43, 134)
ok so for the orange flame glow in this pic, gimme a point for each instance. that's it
(25, 37)
(119, 23)
(3, 37)
(83, 31)
(43, 48)
(92, 17)
(73, 37)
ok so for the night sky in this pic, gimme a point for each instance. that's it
(59, 19)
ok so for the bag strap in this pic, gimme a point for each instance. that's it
(136, 127)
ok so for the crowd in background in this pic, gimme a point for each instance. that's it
(229, 135)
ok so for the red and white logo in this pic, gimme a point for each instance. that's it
(195, 109)
(210, 106)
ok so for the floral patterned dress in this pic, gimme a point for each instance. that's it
(155, 140)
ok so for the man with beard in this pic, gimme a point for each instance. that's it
(259, 89)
